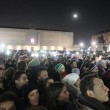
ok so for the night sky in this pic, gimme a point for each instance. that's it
(93, 16)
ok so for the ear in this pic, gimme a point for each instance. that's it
(16, 81)
(90, 93)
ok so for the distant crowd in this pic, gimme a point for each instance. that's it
(63, 83)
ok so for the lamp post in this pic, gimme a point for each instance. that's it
(81, 45)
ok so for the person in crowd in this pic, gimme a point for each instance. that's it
(8, 74)
(72, 82)
(85, 71)
(94, 92)
(48, 81)
(68, 66)
(8, 101)
(58, 97)
(106, 80)
(30, 95)
(19, 80)
(60, 69)
(102, 67)
(41, 75)
(10, 63)
(33, 68)
(22, 65)
(94, 70)
(45, 63)
(74, 67)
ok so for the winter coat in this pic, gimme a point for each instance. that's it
(92, 103)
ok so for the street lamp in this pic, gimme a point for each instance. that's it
(32, 40)
(81, 44)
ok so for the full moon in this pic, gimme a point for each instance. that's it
(75, 15)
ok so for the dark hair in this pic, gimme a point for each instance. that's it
(41, 69)
(53, 93)
(87, 83)
(9, 96)
(71, 62)
(21, 65)
(26, 90)
(9, 72)
(17, 75)
(46, 80)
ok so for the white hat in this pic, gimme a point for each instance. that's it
(70, 79)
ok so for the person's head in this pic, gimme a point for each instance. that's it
(60, 68)
(102, 64)
(46, 61)
(95, 69)
(48, 82)
(72, 79)
(42, 74)
(26, 58)
(57, 93)
(31, 94)
(34, 62)
(8, 101)
(20, 79)
(93, 86)
(22, 65)
(73, 64)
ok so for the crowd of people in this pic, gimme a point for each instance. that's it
(65, 83)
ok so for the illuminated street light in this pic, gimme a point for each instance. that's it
(32, 40)
(81, 44)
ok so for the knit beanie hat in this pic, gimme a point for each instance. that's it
(28, 88)
(34, 62)
(70, 79)
(58, 67)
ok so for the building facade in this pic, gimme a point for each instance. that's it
(106, 36)
(36, 39)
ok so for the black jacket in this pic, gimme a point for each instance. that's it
(92, 103)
